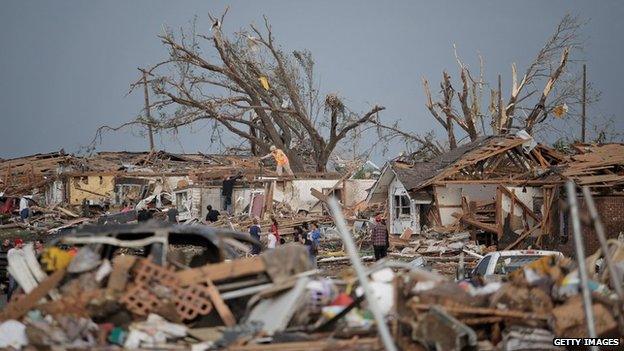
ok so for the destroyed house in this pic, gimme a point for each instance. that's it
(189, 181)
(496, 184)
(601, 168)
(111, 177)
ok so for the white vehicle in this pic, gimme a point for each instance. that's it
(500, 263)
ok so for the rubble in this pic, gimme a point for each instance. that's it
(109, 278)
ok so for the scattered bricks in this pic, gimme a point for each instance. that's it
(146, 294)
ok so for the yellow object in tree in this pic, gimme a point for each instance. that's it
(265, 82)
(54, 259)
(560, 110)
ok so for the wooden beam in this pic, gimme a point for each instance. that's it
(17, 308)
(522, 237)
(222, 270)
(484, 311)
(224, 311)
(316, 345)
(484, 226)
(520, 203)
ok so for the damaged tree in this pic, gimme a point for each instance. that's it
(524, 109)
(248, 86)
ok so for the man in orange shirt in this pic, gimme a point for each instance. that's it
(280, 159)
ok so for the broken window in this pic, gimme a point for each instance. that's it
(506, 265)
(401, 206)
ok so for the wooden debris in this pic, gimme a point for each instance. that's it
(16, 309)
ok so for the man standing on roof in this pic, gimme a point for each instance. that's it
(280, 159)
(227, 190)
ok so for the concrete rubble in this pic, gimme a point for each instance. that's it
(131, 260)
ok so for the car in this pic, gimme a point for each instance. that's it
(497, 264)
(197, 244)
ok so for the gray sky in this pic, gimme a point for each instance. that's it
(65, 66)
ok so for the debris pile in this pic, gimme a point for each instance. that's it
(97, 294)
(538, 302)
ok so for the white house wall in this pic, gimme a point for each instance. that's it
(449, 198)
(55, 193)
(449, 202)
(526, 195)
(357, 190)
(379, 191)
(398, 225)
(296, 193)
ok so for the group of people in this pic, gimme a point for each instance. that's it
(6, 280)
(307, 235)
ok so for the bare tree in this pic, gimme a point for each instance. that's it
(248, 86)
(527, 106)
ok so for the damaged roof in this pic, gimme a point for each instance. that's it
(498, 157)
(599, 165)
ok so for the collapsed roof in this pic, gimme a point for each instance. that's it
(488, 159)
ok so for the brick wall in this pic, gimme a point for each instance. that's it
(611, 212)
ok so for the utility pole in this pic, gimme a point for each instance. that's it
(500, 106)
(147, 111)
(584, 102)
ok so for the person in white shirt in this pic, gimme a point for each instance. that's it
(24, 208)
(272, 240)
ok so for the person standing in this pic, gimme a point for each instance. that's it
(298, 235)
(313, 241)
(227, 189)
(24, 208)
(254, 232)
(271, 240)
(379, 237)
(18, 244)
(275, 230)
(4, 279)
(280, 159)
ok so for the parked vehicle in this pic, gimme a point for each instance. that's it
(500, 263)
(200, 244)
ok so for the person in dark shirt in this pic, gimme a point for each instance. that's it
(4, 275)
(144, 215)
(172, 215)
(298, 235)
(379, 238)
(254, 232)
(228, 188)
(212, 215)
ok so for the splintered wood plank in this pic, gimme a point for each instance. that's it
(315, 345)
(481, 225)
(224, 311)
(522, 237)
(16, 309)
(519, 203)
(223, 270)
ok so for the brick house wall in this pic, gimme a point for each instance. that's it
(611, 212)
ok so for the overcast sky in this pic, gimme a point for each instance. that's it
(65, 66)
